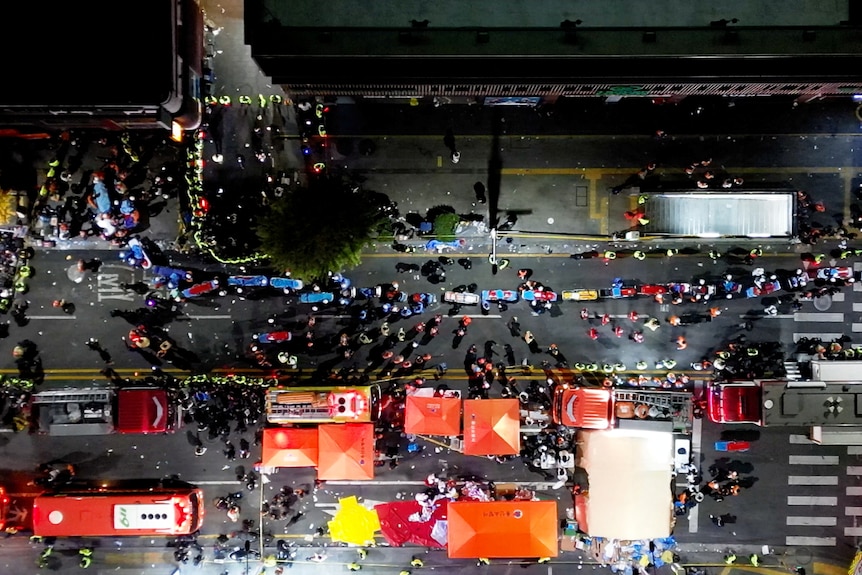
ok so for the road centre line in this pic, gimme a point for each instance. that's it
(811, 500)
(813, 460)
(812, 480)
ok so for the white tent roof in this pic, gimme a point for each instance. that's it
(630, 483)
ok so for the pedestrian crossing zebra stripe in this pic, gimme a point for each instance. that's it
(812, 500)
(796, 541)
(813, 521)
(813, 460)
(812, 480)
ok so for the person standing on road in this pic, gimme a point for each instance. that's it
(479, 190)
(449, 142)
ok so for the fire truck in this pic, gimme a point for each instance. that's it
(332, 404)
(104, 410)
(604, 408)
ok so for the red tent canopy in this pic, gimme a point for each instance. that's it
(396, 527)
(492, 427)
(503, 529)
(346, 451)
(290, 447)
(433, 415)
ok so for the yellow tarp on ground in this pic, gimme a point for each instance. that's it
(353, 523)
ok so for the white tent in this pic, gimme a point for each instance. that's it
(630, 476)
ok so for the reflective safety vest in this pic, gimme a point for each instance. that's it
(639, 255)
(224, 100)
(641, 365)
(609, 255)
(245, 99)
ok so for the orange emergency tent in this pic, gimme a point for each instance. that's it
(502, 529)
(433, 415)
(346, 451)
(492, 427)
(290, 447)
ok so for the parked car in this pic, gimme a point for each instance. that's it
(461, 297)
(248, 281)
(497, 295)
(652, 289)
(273, 337)
(200, 289)
(767, 288)
(580, 295)
(543, 296)
(286, 283)
(323, 297)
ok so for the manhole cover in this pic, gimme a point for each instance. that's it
(823, 302)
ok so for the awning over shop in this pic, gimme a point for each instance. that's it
(353, 523)
(433, 415)
(398, 529)
(503, 529)
(290, 447)
(346, 451)
(629, 473)
(492, 427)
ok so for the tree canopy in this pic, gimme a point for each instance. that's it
(320, 229)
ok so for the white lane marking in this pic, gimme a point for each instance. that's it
(819, 317)
(854, 491)
(857, 306)
(51, 317)
(856, 327)
(857, 286)
(539, 485)
(793, 541)
(696, 439)
(813, 460)
(812, 480)
(811, 500)
(854, 450)
(776, 316)
(855, 511)
(852, 531)
(854, 470)
(822, 336)
(838, 296)
(799, 439)
(216, 483)
(821, 521)
(207, 317)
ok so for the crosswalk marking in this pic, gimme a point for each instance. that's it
(822, 336)
(857, 286)
(857, 266)
(838, 297)
(799, 439)
(820, 521)
(812, 480)
(854, 490)
(819, 317)
(852, 531)
(856, 327)
(857, 306)
(854, 470)
(855, 511)
(814, 460)
(794, 541)
(854, 450)
(812, 500)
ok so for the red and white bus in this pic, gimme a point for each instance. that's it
(115, 509)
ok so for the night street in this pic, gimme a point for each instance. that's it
(638, 259)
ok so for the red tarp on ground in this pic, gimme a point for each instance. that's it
(398, 529)
(142, 411)
(492, 427)
(433, 415)
(346, 451)
(505, 529)
(290, 447)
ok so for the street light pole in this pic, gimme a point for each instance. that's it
(493, 251)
